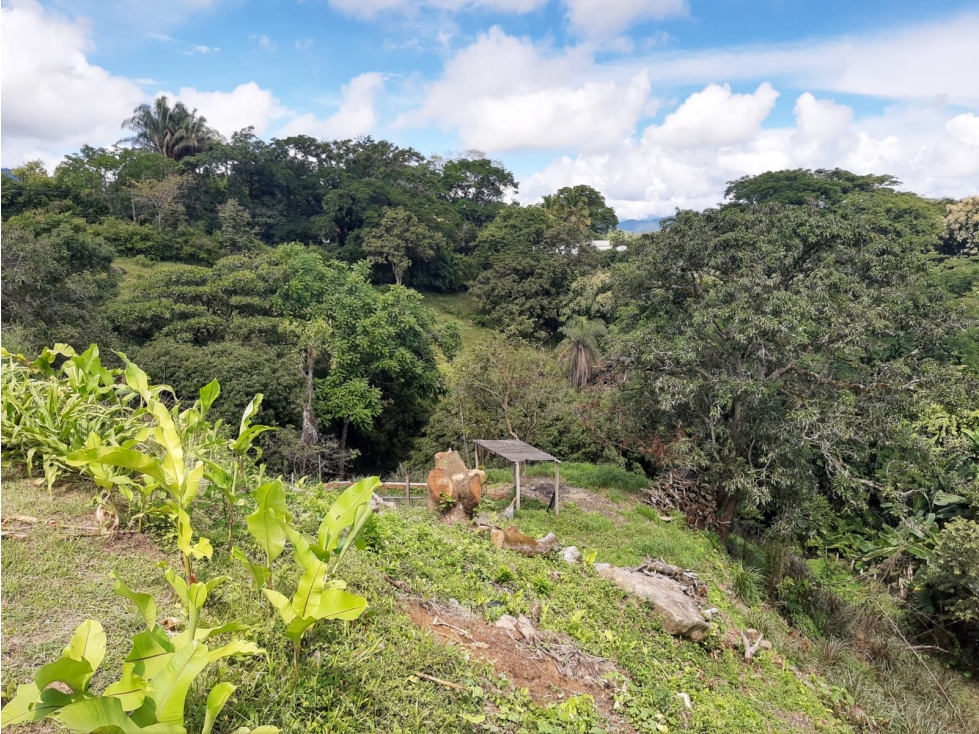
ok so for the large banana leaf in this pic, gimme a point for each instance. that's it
(216, 700)
(18, 709)
(144, 602)
(168, 689)
(151, 652)
(105, 715)
(343, 513)
(130, 689)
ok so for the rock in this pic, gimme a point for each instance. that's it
(766, 645)
(709, 614)
(512, 539)
(681, 615)
(571, 555)
(685, 697)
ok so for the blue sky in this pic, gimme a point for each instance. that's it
(655, 102)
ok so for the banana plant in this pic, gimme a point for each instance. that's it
(169, 472)
(267, 525)
(150, 696)
(240, 447)
(317, 597)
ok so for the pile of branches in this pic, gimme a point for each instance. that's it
(679, 491)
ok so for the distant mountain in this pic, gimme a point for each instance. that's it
(640, 225)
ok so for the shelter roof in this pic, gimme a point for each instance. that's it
(514, 450)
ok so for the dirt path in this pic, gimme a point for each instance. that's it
(550, 672)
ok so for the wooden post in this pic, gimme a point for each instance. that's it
(557, 487)
(516, 474)
(408, 489)
(476, 446)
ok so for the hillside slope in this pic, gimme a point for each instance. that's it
(426, 658)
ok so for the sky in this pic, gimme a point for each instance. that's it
(655, 103)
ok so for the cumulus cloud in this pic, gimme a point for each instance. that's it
(504, 93)
(53, 98)
(227, 112)
(670, 165)
(356, 115)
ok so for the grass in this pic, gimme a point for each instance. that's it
(599, 477)
(459, 308)
(363, 676)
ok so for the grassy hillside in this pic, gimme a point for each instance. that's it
(424, 657)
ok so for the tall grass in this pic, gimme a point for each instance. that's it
(587, 476)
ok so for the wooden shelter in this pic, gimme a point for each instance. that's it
(520, 453)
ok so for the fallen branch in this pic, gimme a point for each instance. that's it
(448, 684)
(750, 649)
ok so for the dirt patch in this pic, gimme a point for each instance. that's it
(585, 499)
(551, 671)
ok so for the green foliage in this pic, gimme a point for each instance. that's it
(319, 594)
(801, 186)
(157, 674)
(953, 575)
(49, 413)
(399, 239)
(753, 331)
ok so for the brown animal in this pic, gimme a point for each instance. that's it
(450, 480)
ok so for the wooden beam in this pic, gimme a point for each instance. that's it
(557, 488)
(516, 474)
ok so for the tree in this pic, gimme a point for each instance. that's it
(579, 353)
(583, 207)
(961, 235)
(528, 263)
(161, 200)
(399, 239)
(778, 353)
(827, 188)
(56, 277)
(476, 187)
(175, 132)
(237, 232)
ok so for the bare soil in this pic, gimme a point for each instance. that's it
(550, 671)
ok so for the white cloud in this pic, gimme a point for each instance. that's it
(264, 42)
(53, 98)
(923, 61)
(192, 50)
(356, 115)
(504, 93)
(304, 44)
(227, 112)
(371, 9)
(687, 166)
(714, 116)
(608, 17)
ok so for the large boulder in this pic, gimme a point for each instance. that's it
(681, 614)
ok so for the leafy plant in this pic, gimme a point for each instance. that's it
(157, 674)
(318, 595)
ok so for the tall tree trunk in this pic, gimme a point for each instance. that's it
(310, 434)
(727, 508)
(343, 449)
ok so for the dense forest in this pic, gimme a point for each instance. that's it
(799, 365)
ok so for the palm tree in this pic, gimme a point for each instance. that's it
(553, 205)
(575, 210)
(175, 131)
(579, 352)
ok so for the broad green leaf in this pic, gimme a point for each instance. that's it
(209, 393)
(179, 586)
(104, 715)
(51, 701)
(136, 378)
(340, 604)
(192, 482)
(18, 709)
(169, 688)
(130, 689)
(151, 652)
(307, 596)
(272, 496)
(202, 548)
(204, 633)
(344, 511)
(144, 602)
(74, 673)
(296, 628)
(123, 458)
(303, 551)
(250, 410)
(281, 604)
(216, 700)
(235, 647)
(166, 435)
(197, 595)
(88, 644)
(260, 573)
(361, 515)
(265, 527)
